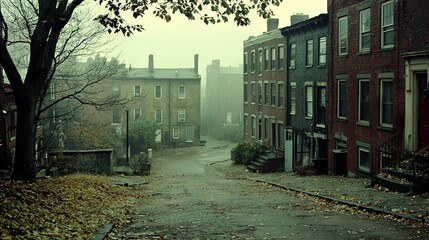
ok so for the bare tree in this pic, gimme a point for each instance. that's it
(44, 23)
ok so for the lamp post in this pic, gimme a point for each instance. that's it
(127, 138)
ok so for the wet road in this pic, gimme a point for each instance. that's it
(189, 199)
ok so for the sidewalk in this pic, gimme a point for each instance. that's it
(347, 190)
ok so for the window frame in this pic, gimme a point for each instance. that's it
(366, 101)
(181, 114)
(273, 91)
(322, 51)
(364, 32)
(273, 58)
(156, 96)
(139, 113)
(343, 35)
(266, 59)
(292, 61)
(252, 61)
(137, 93)
(245, 94)
(245, 63)
(280, 57)
(309, 100)
(158, 116)
(309, 53)
(383, 103)
(253, 122)
(340, 114)
(246, 124)
(260, 61)
(293, 98)
(253, 92)
(52, 91)
(116, 90)
(176, 132)
(281, 95)
(181, 95)
(266, 94)
(118, 120)
(385, 27)
(260, 93)
(360, 166)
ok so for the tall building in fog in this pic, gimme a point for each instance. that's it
(224, 94)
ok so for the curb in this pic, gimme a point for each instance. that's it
(348, 203)
(102, 232)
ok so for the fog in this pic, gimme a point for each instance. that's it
(174, 44)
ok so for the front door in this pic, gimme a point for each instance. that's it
(423, 117)
(273, 137)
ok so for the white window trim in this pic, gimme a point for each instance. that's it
(266, 59)
(246, 121)
(260, 61)
(254, 128)
(139, 110)
(362, 32)
(320, 51)
(184, 92)
(253, 94)
(52, 91)
(280, 104)
(245, 63)
(309, 60)
(309, 84)
(160, 92)
(252, 61)
(273, 83)
(273, 58)
(181, 111)
(176, 130)
(278, 56)
(363, 149)
(115, 123)
(345, 37)
(293, 111)
(137, 94)
(383, 27)
(160, 110)
(388, 125)
(246, 92)
(292, 62)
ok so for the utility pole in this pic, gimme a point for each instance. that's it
(128, 144)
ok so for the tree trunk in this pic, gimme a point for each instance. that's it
(24, 165)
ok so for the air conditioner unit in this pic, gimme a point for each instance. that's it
(182, 120)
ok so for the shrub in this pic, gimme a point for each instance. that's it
(140, 164)
(245, 152)
(231, 133)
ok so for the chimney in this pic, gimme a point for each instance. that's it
(196, 63)
(150, 63)
(297, 18)
(272, 24)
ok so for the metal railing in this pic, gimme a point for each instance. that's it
(387, 155)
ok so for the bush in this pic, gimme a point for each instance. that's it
(245, 152)
(230, 133)
(140, 164)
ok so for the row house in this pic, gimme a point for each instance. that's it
(307, 74)
(223, 97)
(378, 108)
(264, 88)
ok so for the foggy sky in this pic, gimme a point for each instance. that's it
(174, 44)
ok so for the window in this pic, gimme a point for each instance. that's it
(321, 106)
(292, 61)
(253, 126)
(342, 36)
(309, 59)
(253, 61)
(308, 101)
(158, 92)
(363, 100)
(246, 124)
(175, 132)
(260, 93)
(266, 59)
(281, 95)
(53, 116)
(273, 58)
(115, 116)
(322, 51)
(181, 114)
(342, 99)
(245, 62)
(266, 94)
(280, 129)
(52, 90)
(182, 92)
(137, 92)
(260, 129)
(363, 158)
(190, 134)
(137, 113)
(364, 30)
(387, 24)
(260, 61)
(273, 94)
(253, 92)
(115, 91)
(386, 103)
(281, 60)
(292, 97)
(158, 116)
(245, 92)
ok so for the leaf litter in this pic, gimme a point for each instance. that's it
(69, 207)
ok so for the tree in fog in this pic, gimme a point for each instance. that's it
(44, 28)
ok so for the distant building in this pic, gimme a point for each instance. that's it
(223, 98)
(170, 97)
(297, 18)
(264, 89)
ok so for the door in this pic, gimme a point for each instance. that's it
(288, 151)
(423, 117)
(273, 137)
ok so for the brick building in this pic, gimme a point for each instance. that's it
(366, 82)
(306, 133)
(223, 98)
(264, 88)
